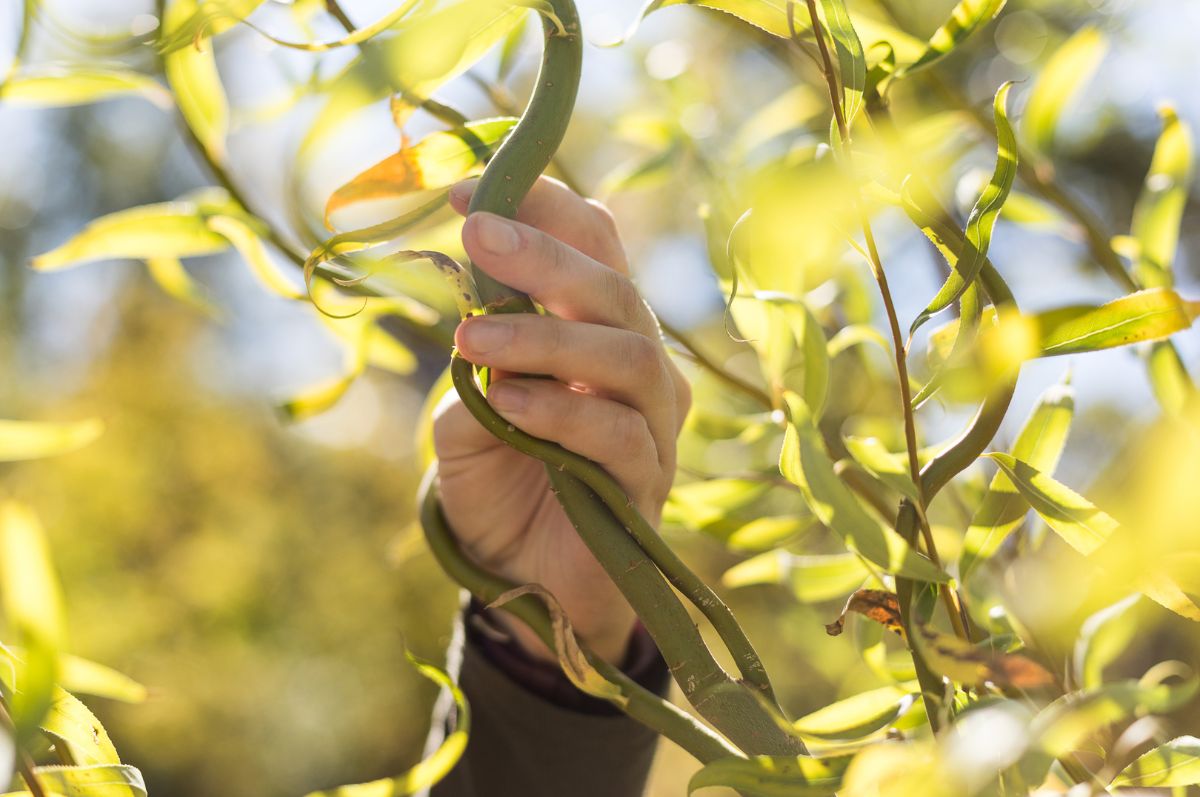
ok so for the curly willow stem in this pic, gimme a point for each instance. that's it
(641, 565)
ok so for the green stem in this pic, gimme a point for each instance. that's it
(636, 701)
(932, 685)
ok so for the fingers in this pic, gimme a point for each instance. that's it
(606, 432)
(550, 206)
(563, 279)
(616, 363)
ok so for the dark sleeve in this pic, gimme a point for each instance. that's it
(533, 733)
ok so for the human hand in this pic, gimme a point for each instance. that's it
(615, 398)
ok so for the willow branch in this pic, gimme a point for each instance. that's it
(708, 364)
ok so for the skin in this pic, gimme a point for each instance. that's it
(614, 397)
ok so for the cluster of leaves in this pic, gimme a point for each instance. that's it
(1009, 716)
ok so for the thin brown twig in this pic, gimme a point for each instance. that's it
(953, 606)
(716, 370)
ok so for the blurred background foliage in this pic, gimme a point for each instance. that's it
(262, 578)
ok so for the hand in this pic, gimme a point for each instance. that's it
(615, 398)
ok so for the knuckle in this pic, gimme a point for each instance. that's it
(605, 220)
(641, 354)
(623, 297)
(630, 433)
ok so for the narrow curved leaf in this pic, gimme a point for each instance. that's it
(71, 724)
(97, 780)
(197, 22)
(1143, 316)
(1071, 66)
(965, 663)
(170, 229)
(966, 18)
(856, 716)
(59, 87)
(170, 275)
(1102, 639)
(1176, 763)
(852, 61)
(764, 776)
(254, 252)
(435, 162)
(192, 73)
(983, 216)
(804, 462)
(33, 609)
(20, 440)
(1040, 443)
(357, 36)
(811, 578)
(1159, 209)
(891, 469)
(432, 769)
(85, 677)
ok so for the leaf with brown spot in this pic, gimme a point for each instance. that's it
(436, 161)
(874, 604)
(571, 657)
(961, 661)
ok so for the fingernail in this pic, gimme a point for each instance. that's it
(496, 235)
(463, 190)
(481, 336)
(506, 397)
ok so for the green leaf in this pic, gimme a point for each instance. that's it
(254, 252)
(195, 82)
(1081, 525)
(891, 469)
(766, 776)
(170, 275)
(20, 440)
(1159, 209)
(1174, 764)
(169, 229)
(852, 61)
(804, 462)
(1040, 443)
(856, 335)
(766, 533)
(1063, 725)
(357, 36)
(856, 716)
(194, 23)
(104, 780)
(317, 398)
(432, 769)
(71, 724)
(1143, 316)
(1102, 639)
(60, 87)
(33, 609)
(983, 216)
(89, 678)
(790, 344)
(811, 578)
(435, 162)
(1169, 377)
(1071, 66)
(966, 18)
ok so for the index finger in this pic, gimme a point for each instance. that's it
(556, 210)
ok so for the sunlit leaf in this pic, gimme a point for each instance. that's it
(254, 252)
(966, 663)
(1176, 763)
(1169, 377)
(791, 345)
(33, 609)
(436, 161)
(983, 216)
(1040, 443)
(62, 86)
(965, 18)
(763, 776)
(196, 22)
(811, 578)
(1071, 66)
(805, 463)
(856, 335)
(852, 61)
(1159, 210)
(357, 36)
(316, 399)
(766, 533)
(1063, 725)
(1073, 517)
(384, 232)
(856, 716)
(433, 768)
(102, 780)
(170, 275)
(21, 440)
(192, 74)
(891, 469)
(1102, 639)
(697, 504)
(640, 173)
(71, 724)
(170, 229)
